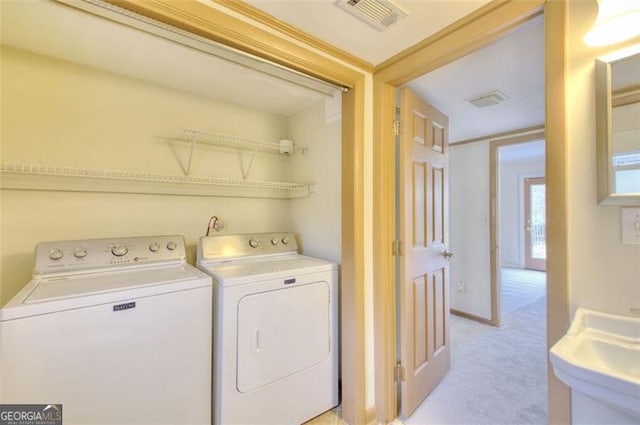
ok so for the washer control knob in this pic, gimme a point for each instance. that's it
(80, 252)
(285, 240)
(55, 254)
(154, 247)
(275, 241)
(171, 245)
(119, 250)
(253, 243)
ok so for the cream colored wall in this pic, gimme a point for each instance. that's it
(469, 227)
(603, 274)
(511, 197)
(316, 218)
(29, 217)
(57, 113)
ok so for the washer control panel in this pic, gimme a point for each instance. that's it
(71, 256)
(233, 246)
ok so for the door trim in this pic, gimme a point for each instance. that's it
(475, 31)
(494, 216)
(533, 131)
(284, 28)
(214, 24)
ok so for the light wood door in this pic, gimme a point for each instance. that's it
(535, 248)
(424, 270)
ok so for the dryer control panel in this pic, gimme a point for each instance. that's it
(234, 246)
(100, 254)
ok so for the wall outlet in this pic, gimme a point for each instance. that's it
(631, 226)
(461, 287)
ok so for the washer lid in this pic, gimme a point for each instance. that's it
(234, 272)
(74, 291)
(77, 286)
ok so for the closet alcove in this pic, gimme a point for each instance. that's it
(98, 117)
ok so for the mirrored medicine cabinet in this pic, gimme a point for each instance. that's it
(618, 127)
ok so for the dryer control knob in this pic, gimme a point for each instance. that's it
(119, 250)
(285, 240)
(80, 252)
(171, 245)
(154, 247)
(275, 241)
(253, 243)
(55, 254)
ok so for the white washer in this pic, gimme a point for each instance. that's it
(118, 331)
(275, 330)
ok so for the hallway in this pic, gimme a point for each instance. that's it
(498, 375)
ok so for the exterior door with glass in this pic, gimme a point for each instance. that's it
(535, 248)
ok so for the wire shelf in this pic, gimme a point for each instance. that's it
(76, 179)
(198, 137)
(203, 137)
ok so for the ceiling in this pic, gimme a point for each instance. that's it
(328, 22)
(514, 64)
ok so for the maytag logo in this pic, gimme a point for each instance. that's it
(290, 281)
(125, 306)
(30, 414)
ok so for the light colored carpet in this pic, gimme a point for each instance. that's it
(519, 288)
(498, 375)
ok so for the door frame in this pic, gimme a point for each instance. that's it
(497, 141)
(528, 256)
(455, 41)
(216, 24)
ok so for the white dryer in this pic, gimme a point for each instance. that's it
(275, 330)
(118, 331)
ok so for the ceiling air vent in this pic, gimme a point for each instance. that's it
(488, 99)
(380, 14)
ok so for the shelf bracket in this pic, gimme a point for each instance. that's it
(246, 171)
(188, 170)
(184, 137)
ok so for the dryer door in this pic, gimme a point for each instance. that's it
(282, 332)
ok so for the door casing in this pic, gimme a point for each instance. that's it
(517, 137)
(469, 34)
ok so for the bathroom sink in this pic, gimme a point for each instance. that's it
(600, 356)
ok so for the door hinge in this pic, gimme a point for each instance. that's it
(396, 248)
(398, 372)
(396, 128)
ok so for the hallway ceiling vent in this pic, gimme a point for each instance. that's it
(381, 14)
(488, 99)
